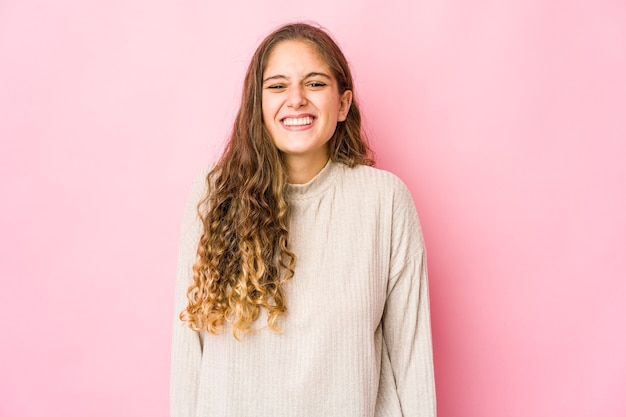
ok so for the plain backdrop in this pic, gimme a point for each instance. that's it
(506, 119)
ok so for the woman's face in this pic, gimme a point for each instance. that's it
(301, 103)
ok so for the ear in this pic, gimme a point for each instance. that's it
(345, 102)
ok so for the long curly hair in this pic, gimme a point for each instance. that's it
(243, 256)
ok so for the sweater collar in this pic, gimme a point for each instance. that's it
(317, 185)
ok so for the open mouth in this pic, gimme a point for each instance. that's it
(297, 121)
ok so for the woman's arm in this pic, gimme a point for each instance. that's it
(406, 318)
(186, 343)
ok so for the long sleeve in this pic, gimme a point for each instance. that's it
(186, 343)
(406, 318)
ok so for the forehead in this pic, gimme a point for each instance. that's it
(295, 56)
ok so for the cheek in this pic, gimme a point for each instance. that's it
(268, 108)
(333, 108)
(332, 105)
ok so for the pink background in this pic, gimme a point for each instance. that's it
(506, 119)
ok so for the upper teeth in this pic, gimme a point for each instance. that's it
(298, 121)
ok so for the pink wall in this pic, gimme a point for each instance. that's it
(506, 119)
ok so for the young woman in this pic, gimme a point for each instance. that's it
(302, 287)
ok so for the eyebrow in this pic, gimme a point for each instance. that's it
(309, 75)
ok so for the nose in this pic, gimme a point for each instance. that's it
(297, 97)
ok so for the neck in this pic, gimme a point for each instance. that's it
(302, 170)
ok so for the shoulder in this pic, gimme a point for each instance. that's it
(393, 202)
(376, 181)
(200, 184)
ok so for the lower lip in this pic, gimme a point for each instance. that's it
(298, 128)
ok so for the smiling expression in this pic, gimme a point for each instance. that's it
(301, 103)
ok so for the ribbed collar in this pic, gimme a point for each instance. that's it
(317, 185)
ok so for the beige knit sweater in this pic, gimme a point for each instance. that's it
(356, 338)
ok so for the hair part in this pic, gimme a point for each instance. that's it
(243, 256)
